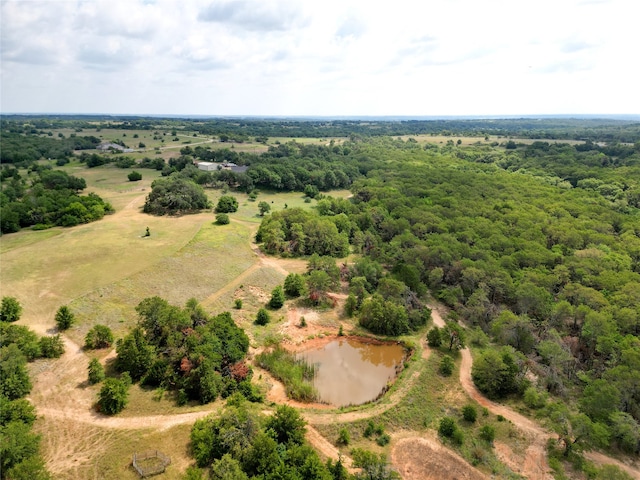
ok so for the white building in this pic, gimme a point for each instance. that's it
(207, 166)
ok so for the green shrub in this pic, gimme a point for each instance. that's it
(383, 440)
(351, 305)
(534, 399)
(434, 338)
(263, 317)
(227, 204)
(64, 318)
(222, 219)
(100, 336)
(113, 396)
(51, 347)
(370, 429)
(488, 433)
(469, 413)
(238, 303)
(182, 398)
(343, 437)
(134, 176)
(10, 309)
(95, 371)
(447, 427)
(294, 285)
(458, 436)
(277, 298)
(446, 366)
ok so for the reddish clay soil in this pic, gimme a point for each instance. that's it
(423, 458)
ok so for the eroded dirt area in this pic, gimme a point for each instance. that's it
(424, 458)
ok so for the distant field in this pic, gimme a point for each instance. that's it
(165, 145)
(443, 139)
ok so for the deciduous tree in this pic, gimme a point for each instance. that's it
(10, 309)
(64, 318)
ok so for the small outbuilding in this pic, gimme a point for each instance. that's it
(207, 166)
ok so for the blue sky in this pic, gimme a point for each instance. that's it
(330, 57)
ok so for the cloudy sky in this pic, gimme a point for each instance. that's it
(320, 57)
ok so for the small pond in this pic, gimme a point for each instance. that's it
(352, 371)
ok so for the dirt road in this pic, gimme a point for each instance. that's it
(535, 465)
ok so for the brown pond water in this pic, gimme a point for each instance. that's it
(352, 372)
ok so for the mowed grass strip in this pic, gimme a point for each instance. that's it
(80, 451)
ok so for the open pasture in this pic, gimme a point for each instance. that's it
(472, 140)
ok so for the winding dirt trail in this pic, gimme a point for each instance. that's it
(535, 465)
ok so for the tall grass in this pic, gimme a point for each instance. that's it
(295, 374)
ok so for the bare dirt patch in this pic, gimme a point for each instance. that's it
(599, 458)
(326, 448)
(423, 458)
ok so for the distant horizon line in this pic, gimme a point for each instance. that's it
(604, 116)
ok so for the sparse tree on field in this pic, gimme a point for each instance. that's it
(10, 310)
(100, 336)
(264, 207)
(64, 318)
(227, 204)
(294, 285)
(113, 396)
(51, 347)
(223, 219)
(263, 317)
(134, 176)
(95, 371)
(277, 298)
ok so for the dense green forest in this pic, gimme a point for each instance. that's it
(533, 262)
(45, 198)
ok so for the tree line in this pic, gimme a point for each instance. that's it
(45, 198)
(19, 446)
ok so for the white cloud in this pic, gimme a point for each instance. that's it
(337, 57)
(261, 16)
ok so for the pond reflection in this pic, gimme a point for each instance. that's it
(351, 372)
